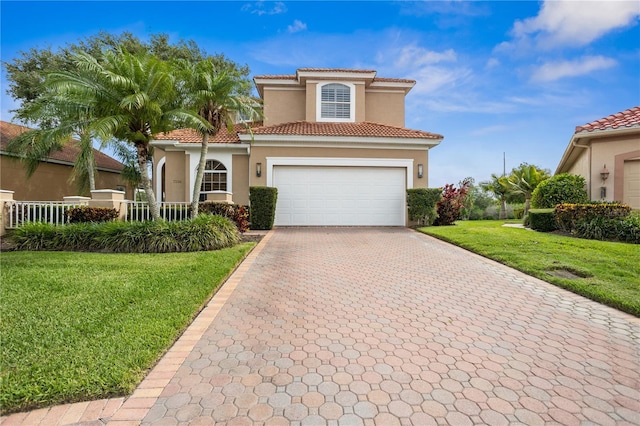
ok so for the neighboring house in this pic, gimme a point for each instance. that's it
(52, 179)
(333, 142)
(607, 153)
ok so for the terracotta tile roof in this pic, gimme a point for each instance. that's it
(192, 136)
(362, 129)
(68, 154)
(626, 118)
(335, 70)
(329, 70)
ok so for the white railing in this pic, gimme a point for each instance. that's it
(139, 211)
(53, 212)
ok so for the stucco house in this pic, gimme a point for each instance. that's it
(52, 179)
(607, 153)
(332, 141)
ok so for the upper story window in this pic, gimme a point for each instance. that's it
(336, 102)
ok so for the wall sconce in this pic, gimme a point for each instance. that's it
(258, 169)
(604, 173)
(420, 170)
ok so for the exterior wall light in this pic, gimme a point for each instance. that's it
(420, 170)
(258, 169)
(604, 173)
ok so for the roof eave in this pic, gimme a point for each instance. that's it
(586, 136)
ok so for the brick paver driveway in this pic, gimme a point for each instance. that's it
(387, 326)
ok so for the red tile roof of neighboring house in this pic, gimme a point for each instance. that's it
(68, 154)
(192, 136)
(361, 129)
(626, 118)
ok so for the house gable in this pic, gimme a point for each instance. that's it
(612, 142)
(289, 98)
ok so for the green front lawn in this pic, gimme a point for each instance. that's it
(79, 326)
(608, 272)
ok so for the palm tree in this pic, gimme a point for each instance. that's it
(499, 187)
(131, 98)
(215, 95)
(524, 180)
(61, 121)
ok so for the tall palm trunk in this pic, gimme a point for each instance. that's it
(503, 207)
(195, 200)
(143, 163)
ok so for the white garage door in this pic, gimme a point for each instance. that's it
(631, 192)
(339, 196)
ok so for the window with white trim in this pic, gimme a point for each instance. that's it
(336, 102)
(214, 177)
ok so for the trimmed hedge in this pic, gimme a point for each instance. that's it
(422, 204)
(568, 215)
(262, 200)
(559, 189)
(543, 220)
(626, 230)
(84, 214)
(206, 232)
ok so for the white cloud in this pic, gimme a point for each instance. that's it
(575, 22)
(265, 8)
(297, 26)
(417, 56)
(551, 71)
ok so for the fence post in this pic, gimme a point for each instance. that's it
(109, 198)
(4, 209)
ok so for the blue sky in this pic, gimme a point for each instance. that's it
(492, 77)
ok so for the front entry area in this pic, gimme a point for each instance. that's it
(340, 196)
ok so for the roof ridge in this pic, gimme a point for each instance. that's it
(628, 118)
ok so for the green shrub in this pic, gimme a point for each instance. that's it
(568, 215)
(422, 204)
(625, 229)
(85, 214)
(518, 213)
(206, 232)
(34, 236)
(543, 220)
(237, 213)
(262, 200)
(559, 189)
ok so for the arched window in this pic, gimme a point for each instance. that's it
(214, 178)
(335, 102)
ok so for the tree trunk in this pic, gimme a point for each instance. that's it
(143, 156)
(527, 203)
(195, 201)
(503, 208)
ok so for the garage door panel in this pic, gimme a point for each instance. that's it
(631, 191)
(347, 196)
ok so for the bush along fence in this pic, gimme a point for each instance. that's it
(103, 206)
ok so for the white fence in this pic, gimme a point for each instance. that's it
(55, 212)
(139, 211)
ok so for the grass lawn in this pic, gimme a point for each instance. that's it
(80, 326)
(610, 271)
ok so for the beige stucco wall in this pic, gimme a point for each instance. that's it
(385, 108)
(311, 101)
(604, 151)
(361, 105)
(259, 155)
(241, 179)
(50, 182)
(176, 177)
(283, 106)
